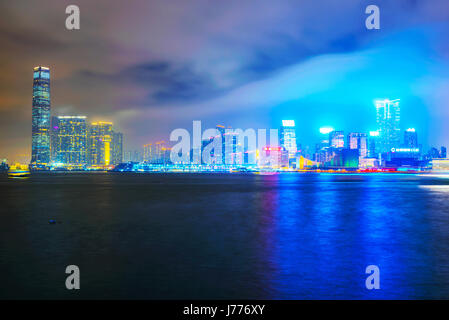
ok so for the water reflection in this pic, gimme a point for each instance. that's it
(285, 236)
(329, 228)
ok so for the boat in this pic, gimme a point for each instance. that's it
(19, 170)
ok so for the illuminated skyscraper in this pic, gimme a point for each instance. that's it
(372, 149)
(288, 137)
(388, 121)
(156, 153)
(70, 144)
(147, 152)
(40, 144)
(227, 154)
(220, 154)
(337, 139)
(357, 140)
(410, 138)
(274, 157)
(99, 142)
(54, 138)
(117, 148)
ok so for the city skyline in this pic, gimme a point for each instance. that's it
(69, 142)
(149, 86)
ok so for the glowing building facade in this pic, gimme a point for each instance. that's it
(274, 157)
(69, 145)
(337, 139)
(410, 138)
(288, 137)
(117, 148)
(357, 140)
(40, 144)
(156, 153)
(99, 141)
(388, 121)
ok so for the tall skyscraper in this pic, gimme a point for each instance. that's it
(373, 141)
(227, 154)
(40, 144)
(337, 139)
(410, 138)
(288, 137)
(220, 155)
(148, 152)
(70, 144)
(117, 148)
(54, 128)
(388, 121)
(99, 142)
(357, 140)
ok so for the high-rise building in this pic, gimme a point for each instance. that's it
(133, 156)
(69, 140)
(156, 153)
(288, 137)
(228, 153)
(148, 152)
(275, 157)
(220, 155)
(357, 140)
(443, 152)
(434, 153)
(40, 144)
(388, 121)
(117, 148)
(232, 149)
(54, 128)
(99, 142)
(372, 149)
(410, 138)
(337, 139)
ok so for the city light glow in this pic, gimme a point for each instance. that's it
(326, 130)
(288, 123)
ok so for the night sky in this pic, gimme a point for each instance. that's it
(153, 66)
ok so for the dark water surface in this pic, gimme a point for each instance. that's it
(285, 236)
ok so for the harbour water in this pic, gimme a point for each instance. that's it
(216, 236)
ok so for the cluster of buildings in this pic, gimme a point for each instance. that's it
(156, 153)
(69, 141)
(385, 148)
(223, 151)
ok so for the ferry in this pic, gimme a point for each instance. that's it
(19, 170)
